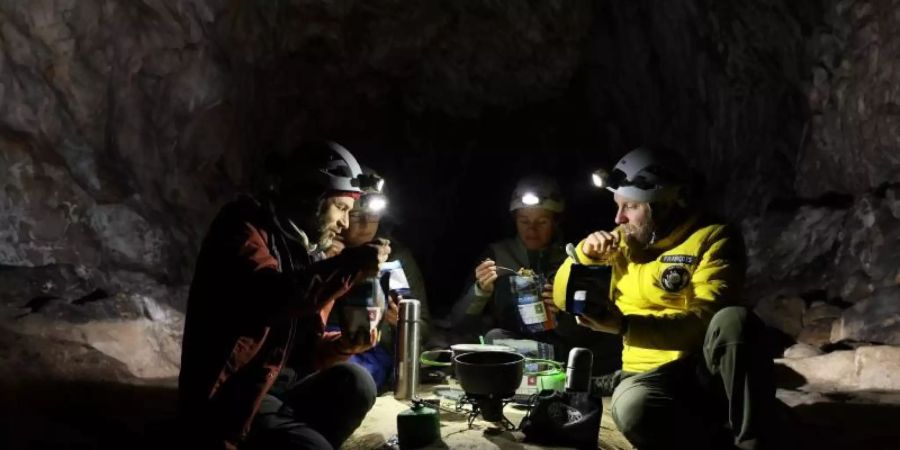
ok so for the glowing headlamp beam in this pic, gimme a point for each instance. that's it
(599, 179)
(376, 204)
(530, 199)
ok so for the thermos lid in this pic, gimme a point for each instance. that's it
(580, 359)
(410, 310)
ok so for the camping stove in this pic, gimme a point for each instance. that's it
(490, 409)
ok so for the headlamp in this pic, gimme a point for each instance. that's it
(376, 204)
(370, 183)
(530, 199)
(600, 178)
(373, 203)
(612, 181)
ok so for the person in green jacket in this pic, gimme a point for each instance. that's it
(489, 308)
(692, 366)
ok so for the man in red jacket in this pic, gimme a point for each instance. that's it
(258, 370)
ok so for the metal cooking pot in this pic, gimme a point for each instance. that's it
(445, 358)
(492, 374)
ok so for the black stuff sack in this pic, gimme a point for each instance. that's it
(563, 419)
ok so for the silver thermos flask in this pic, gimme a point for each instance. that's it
(406, 355)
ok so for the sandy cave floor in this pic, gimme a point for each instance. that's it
(54, 414)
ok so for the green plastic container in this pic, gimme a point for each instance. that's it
(549, 375)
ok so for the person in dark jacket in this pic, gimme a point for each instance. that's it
(260, 294)
(488, 306)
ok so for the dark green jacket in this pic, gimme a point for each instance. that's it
(510, 253)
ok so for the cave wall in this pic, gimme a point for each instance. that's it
(115, 142)
(854, 100)
(834, 244)
(125, 124)
(789, 108)
(719, 81)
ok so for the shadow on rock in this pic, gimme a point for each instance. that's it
(843, 420)
(55, 414)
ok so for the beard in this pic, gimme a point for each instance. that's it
(325, 234)
(640, 236)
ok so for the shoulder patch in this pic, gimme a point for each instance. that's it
(678, 259)
(674, 278)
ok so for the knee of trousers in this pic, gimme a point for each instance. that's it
(731, 325)
(354, 386)
(631, 410)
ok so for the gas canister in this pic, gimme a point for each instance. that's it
(418, 426)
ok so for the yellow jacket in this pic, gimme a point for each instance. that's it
(671, 290)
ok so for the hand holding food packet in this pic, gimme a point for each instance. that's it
(366, 304)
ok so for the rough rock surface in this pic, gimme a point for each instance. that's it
(57, 322)
(841, 259)
(802, 351)
(853, 97)
(835, 240)
(876, 319)
(786, 314)
(865, 368)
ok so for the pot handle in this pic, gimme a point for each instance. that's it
(556, 367)
(429, 358)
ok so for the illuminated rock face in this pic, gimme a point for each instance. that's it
(57, 323)
(840, 258)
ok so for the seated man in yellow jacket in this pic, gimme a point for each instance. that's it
(692, 366)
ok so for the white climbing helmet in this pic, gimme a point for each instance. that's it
(644, 175)
(537, 191)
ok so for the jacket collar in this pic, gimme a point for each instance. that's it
(677, 235)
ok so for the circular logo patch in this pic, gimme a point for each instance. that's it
(675, 278)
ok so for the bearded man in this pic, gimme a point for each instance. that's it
(258, 369)
(693, 372)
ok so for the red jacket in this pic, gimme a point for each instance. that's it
(255, 298)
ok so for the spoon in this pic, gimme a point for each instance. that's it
(507, 268)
